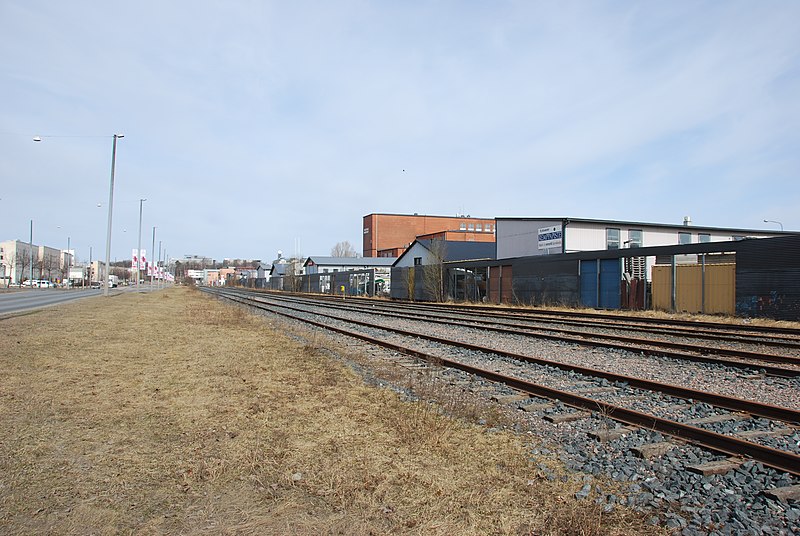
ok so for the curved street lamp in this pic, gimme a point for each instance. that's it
(773, 221)
(110, 208)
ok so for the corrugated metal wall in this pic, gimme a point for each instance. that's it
(716, 296)
(411, 281)
(764, 282)
(501, 284)
(768, 278)
(601, 289)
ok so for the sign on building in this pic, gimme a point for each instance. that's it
(550, 237)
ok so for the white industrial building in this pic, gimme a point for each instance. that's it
(523, 237)
(325, 265)
(16, 266)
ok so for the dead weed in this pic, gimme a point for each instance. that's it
(178, 414)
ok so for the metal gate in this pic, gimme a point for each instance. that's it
(600, 283)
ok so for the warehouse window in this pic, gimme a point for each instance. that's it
(478, 227)
(612, 238)
(703, 238)
(463, 227)
(471, 227)
(684, 238)
(635, 238)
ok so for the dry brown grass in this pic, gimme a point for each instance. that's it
(170, 413)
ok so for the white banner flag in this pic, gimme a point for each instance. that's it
(140, 258)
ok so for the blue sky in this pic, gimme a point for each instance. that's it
(252, 127)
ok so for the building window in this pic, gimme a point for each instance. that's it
(703, 238)
(635, 238)
(684, 238)
(478, 227)
(417, 261)
(612, 238)
(463, 226)
(471, 227)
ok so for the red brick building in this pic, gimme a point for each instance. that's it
(388, 235)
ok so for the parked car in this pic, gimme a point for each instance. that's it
(95, 284)
(46, 284)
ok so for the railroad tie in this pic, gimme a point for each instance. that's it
(754, 376)
(718, 467)
(536, 407)
(509, 399)
(784, 494)
(567, 417)
(764, 433)
(596, 390)
(719, 418)
(611, 433)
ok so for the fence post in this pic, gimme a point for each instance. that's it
(674, 284)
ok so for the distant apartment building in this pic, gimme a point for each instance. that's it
(388, 235)
(20, 261)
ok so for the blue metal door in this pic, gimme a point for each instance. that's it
(610, 277)
(588, 271)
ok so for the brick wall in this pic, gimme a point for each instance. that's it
(397, 231)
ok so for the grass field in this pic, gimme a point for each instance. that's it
(171, 413)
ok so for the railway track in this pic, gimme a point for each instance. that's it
(747, 360)
(779, 337)
(603, 391)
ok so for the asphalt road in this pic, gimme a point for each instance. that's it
(24, 300)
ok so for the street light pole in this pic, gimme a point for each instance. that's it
(152, 252)
(30, 246)
(110, 210)
(139, 246)
(69, 262)
(773, 221)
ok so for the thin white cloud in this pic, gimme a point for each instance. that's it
(251, 124)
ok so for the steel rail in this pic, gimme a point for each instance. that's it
(640, 320)
(583, 339)
(778, 459)
(743, 338)
(618, 321)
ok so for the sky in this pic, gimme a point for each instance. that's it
(257, 126)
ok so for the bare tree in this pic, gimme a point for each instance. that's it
(410, 283)
(23, 260)
(433, 271)
(50, 264)
(121, 272)
(343, 249)
(293, 275)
